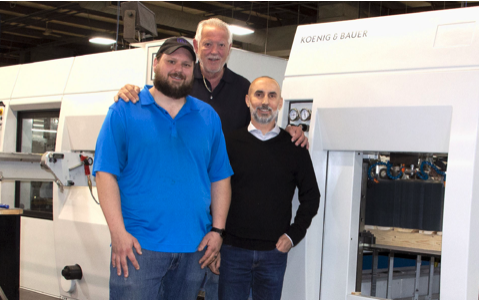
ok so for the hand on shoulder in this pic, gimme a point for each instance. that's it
(128, 93)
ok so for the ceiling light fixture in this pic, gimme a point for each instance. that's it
(102, 40)
(239, 30)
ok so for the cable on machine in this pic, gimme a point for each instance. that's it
(371, 168)
(87, 162)
(424, 176)
(388, 171)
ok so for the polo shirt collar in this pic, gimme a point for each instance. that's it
(228, 75)
(190, 105)
(146, 98)
(197, 71)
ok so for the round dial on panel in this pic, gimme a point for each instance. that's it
(305, 114)
(293, 114)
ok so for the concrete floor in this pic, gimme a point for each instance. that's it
(29, 295)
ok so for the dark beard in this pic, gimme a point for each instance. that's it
(162, 85)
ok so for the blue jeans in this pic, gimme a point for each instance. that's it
(242, 270)
(162, 276)
(211, 285)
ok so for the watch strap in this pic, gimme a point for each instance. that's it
(219, 231)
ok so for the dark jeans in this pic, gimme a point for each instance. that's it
(211, 285)
(242, 270)
(165, 276)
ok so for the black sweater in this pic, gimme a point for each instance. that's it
(266, 174)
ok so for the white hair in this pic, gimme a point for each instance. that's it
(215, 22)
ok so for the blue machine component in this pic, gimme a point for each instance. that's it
(423, 175)
(388, 170)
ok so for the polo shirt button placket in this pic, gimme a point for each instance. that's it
(174, 133)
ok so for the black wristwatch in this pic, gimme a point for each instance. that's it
(221, 232)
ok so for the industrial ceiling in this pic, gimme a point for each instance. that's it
(33, 31)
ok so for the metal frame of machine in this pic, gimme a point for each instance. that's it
(405, 84)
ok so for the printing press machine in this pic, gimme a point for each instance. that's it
(377, 97)
(391, 105)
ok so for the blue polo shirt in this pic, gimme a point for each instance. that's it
(164, 168)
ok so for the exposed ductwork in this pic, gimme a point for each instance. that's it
(277, 41)
(62, 29)
(177, 19)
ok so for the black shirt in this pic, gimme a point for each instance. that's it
(266, 174)
(228, 98)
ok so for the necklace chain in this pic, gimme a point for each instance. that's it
(206, 86)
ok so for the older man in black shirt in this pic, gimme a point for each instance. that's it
(225, 97)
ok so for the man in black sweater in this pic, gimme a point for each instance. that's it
(267, 169)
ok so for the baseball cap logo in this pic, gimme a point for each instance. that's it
(183, 41)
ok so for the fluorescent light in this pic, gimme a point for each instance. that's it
(102, 41)
(238, 30)
(44, 130)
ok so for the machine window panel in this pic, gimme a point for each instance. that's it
(401, 225)
(36, 133)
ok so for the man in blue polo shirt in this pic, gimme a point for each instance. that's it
(159, 166)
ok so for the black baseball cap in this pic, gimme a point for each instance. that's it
(172, 44)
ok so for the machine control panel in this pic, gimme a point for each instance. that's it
(299, 113)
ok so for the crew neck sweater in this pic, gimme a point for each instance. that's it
(266, 174)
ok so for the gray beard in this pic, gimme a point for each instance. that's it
(211, 71)
(263, 120)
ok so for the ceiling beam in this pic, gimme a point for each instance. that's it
(6, 38)
(35, 17)
(52, 44)
(205, 8)
(228, 7)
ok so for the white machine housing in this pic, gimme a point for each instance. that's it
(407, 83)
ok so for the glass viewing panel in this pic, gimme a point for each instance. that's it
(37, 133)
(401, 225)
